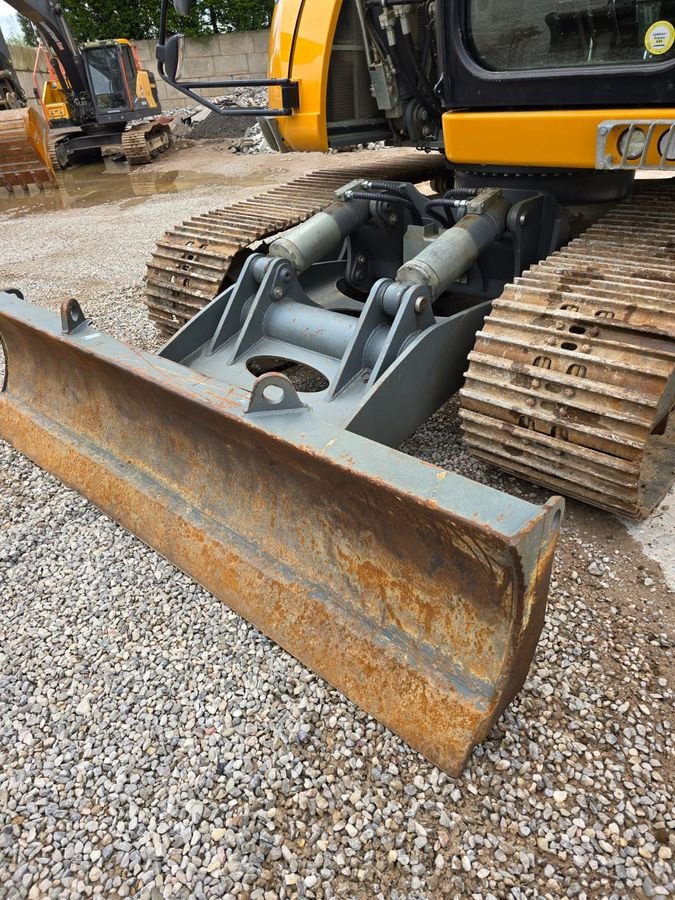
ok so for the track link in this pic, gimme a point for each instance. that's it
(142, 142)
(572, 379)
(191, 263)
(59, 137)
(51, 149)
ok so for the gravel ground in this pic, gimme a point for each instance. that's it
(153, 744)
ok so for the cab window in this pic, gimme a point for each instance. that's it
(106, 78)
(511, 35)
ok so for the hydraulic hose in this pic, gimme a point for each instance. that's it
(453, 199)
(393, 198)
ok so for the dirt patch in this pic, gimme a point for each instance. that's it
(216, 127)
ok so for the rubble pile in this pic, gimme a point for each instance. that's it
(242, 132)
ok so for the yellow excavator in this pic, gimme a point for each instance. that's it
(313, 328)
(96, 95)
(24, 154)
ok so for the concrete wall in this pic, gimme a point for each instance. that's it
(24, 61)
(241, 54)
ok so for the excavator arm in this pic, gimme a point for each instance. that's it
(48, 18)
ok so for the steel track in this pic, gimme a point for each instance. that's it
(192, 262)
(51, 149)
(572, 379)
(139, 143)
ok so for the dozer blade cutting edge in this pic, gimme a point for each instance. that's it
(416, 592)
(24, 152)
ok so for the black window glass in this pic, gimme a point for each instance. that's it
(107, 80)
(507, 35)
(129, 66)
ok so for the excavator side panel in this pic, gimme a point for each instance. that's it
(301, 41)
(144, 89)
(417, 593)
(54, 102)
(555, 138)
(24, 155)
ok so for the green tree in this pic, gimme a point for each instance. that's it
(28, 35)
(245, 15)
(93, 20)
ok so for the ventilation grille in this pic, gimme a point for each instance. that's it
(352, 113)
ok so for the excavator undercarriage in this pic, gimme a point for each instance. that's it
(312, 329)
(196, 260)
(571, 383)
(547, 395)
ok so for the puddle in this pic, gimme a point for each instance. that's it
(111, 182)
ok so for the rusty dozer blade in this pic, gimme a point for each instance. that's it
(24, 153)
(416, 592)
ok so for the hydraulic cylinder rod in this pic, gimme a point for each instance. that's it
(448, 257)
(317, 237)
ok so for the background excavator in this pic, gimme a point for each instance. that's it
(518, 260)
(96, 94)
(12, 95)
(24, 151)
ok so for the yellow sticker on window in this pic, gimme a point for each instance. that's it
(660, 37)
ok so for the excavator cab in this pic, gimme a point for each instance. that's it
(118, 81)
(111, 86)
(557, 53)
(118, 85)
(560, 34)
(545, 84)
